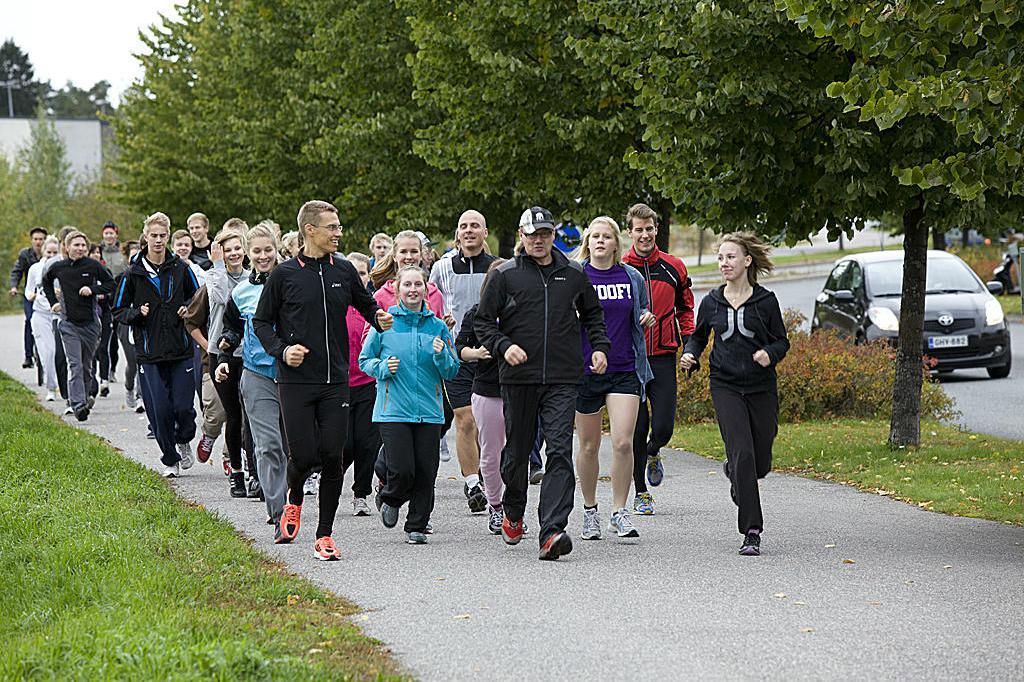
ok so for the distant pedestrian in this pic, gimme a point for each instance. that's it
(42, 317)
(750, 341)
(27, 257)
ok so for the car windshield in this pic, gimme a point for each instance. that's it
(945, 276)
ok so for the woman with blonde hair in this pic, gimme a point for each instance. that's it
(750, 340)
(624, 300)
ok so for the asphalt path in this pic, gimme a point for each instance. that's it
(850, 585)
(985, 405)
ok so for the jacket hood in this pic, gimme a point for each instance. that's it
(138, 265)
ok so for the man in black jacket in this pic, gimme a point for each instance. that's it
(81, 280)
(27, 257)
(300, 320)
(153, 299)
(530, 315)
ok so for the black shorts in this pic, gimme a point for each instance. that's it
(460, 389)
(590, 396)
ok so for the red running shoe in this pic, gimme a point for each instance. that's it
(324, 549)
(511, 531)
(557, 545)
(205, 448)
(290, 521)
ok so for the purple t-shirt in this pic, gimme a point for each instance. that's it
(615, 291)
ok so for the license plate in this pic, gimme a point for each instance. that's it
(947, 341)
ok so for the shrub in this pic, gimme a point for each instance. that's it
(823, 377)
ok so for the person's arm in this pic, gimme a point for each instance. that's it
(51, 294)
(361, 298)
(104, 282)
(370, 361)
(778, 348)
(592, 317)
(485, 324)
(32, 283)
(233, 328)
(122, 307)
(196, 317)
(20, 267)
(466, 343)
(264, 321)
(698, 340)
(445, 361)
(684, 303)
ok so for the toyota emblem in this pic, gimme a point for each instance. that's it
(945, 319)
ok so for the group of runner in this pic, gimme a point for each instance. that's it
(311, 362)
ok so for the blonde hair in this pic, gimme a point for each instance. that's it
(270, 225)
(235, 224)
(381, 237)
(73, 235)
(582, 252)
(50, 239)
(201, 217)
(291, 242)
(227, 235)
(311, 210)
(157, 218)
(387, 267)
(359, 258)
(410, 268)
(261, 231)
(753, 246)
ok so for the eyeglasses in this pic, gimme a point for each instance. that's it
(540, 234)
(331, 228)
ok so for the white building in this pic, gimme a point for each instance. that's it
(83, 142)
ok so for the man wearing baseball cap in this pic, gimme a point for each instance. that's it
(530, 315)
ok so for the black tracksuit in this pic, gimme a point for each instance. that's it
(540, 309)
(73, 275)
(744, 393)
(163, 349)
(305, 301)
(27, 257)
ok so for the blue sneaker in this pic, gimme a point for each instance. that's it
(643, 504)
(416, 538)
(655, 471)
(388, 515)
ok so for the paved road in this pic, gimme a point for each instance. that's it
(902, 593)
(985, 405)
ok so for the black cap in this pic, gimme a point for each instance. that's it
(37, 229)
(536, 218)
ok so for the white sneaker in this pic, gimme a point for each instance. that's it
(446, 455)
(68, 409)
(185, 450)
(312, 484)
(172, 471)
(359, 507)
(50, 397)
(129, 400)
(591, 524)
(622, 524)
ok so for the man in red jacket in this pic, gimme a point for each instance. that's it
(668, 286)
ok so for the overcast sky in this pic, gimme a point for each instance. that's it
(82, 41)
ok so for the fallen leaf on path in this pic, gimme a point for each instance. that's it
(947, 566)
(875, 603)
(604, 479)
(463, 616)
(849, 561)
(441, 578)
(800, 603)
(806, 629)
(831, 545)
(780, 595)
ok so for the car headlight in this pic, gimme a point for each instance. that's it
(884, 318)
(993, 313)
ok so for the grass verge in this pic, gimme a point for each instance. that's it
(1011, 305)
(954, 471)
(108, 574)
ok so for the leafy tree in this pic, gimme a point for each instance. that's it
(25, 91)
(46, 178)
(74, 102)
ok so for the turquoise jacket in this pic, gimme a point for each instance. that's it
(245, 297)
(415, 393)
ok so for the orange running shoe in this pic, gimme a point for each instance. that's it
(324, 549)
(290, 520)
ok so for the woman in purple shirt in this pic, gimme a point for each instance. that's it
(624, 299)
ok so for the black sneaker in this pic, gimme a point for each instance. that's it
(751, 544)
(476, 500)
(28, 364)
(536, 474)
(82, 414)
(559, 544)
(255, 491)
(238, 484)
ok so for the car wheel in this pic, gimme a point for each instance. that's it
(999, 372)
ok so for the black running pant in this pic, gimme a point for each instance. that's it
(231, 399)
(315, 425)
(103, 349)
(363, 440)
(659, 421)
(748, 424)
(412, 461)
(555, 406)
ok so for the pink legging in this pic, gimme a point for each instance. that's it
(490, 425)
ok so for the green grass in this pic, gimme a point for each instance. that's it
(1011, 304)
(108, 574)
(792, 259)
(954, 472)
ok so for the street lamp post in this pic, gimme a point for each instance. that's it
(10, 85)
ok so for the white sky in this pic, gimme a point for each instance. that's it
(83, 41)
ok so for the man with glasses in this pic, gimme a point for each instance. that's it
(530, 315)
(301, 321)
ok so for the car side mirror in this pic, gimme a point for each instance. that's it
(843, 296)
(995, 288)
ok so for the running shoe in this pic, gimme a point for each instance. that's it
(388, 515)
(622, 525)
(591, 524)
(104, 389)
(494, 520)
(312, 484)
(655, 471)
(429, 528)
(50, 397)
(558, 544)
(185, 452)
(444, 452)
(129, 400)
(205, 448)
(291, 519)
(82, 414)
(254, 491)
(536, 474)
(476, 500)
(751, 544)
(237, 485)
(172, 471)
(68, 409)
(140, 406)
(28, 364)
(90, 402)
(149, 432)
(225, 461)
(643, 504)
(511, 531)
(417, 538)
(376, 495)
(324, 549)
(359, 507)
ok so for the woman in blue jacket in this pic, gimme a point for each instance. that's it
(410, 362)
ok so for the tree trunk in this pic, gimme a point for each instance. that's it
(664, 209)
(938, 239)
(905, 423)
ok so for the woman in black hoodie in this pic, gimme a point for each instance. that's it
(750, 340)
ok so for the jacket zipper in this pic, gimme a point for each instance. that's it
(650, 296)
(544, 362)
(327, 350)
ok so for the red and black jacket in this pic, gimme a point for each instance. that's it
(668, 286)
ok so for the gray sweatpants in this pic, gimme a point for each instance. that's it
(80, 342)
(259, 395)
